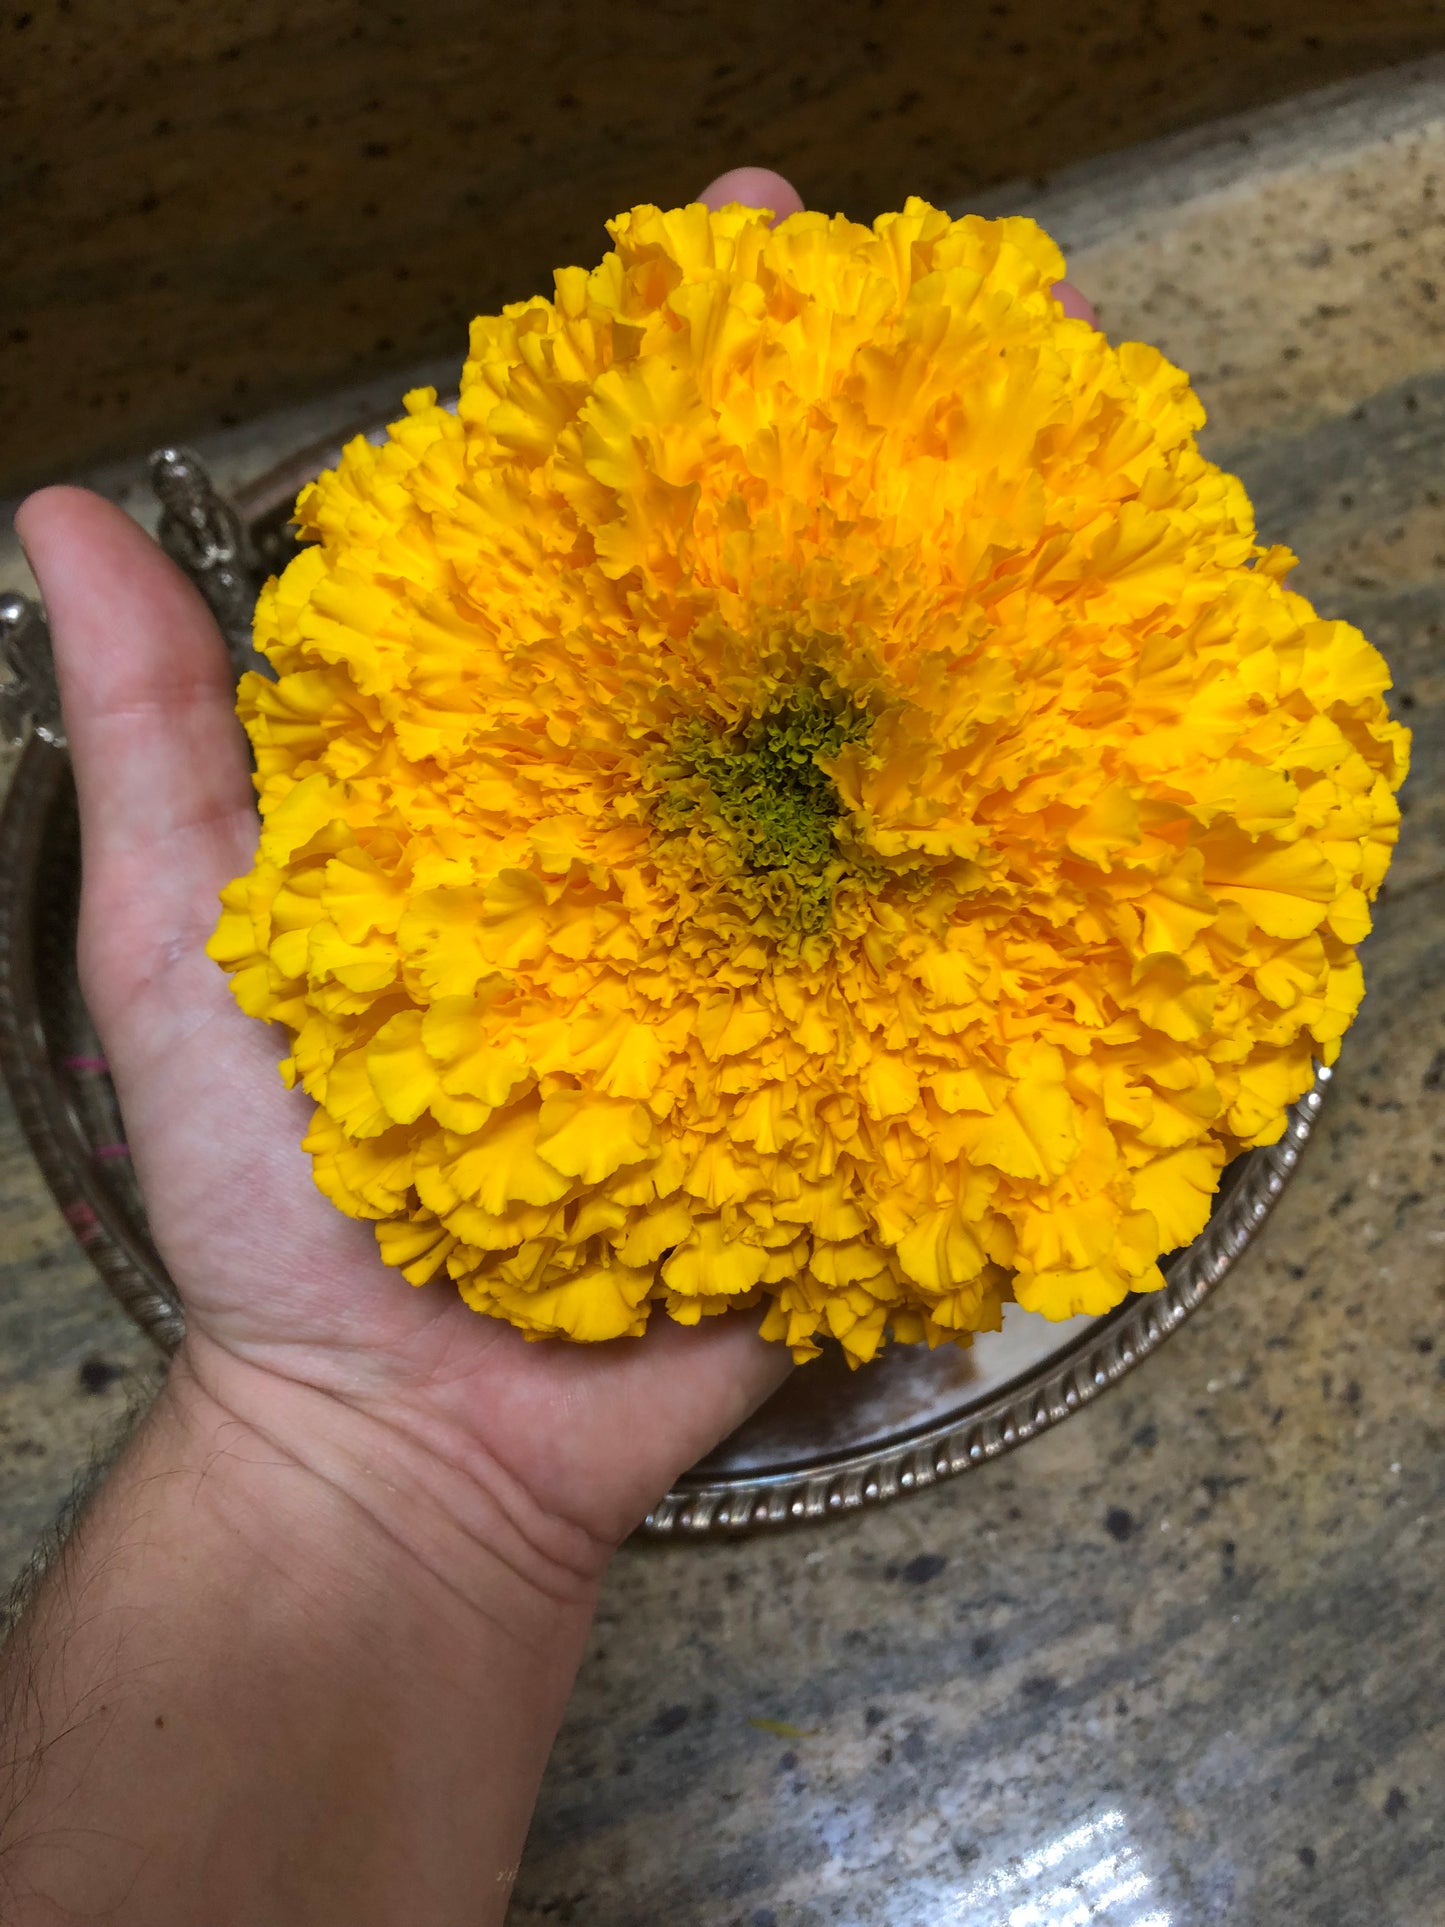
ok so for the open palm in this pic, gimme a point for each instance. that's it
(268, 1270)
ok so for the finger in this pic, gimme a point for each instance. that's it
(700, 1381)
(1076, 306)
(145, 685)
(161, 773)
(753, 187)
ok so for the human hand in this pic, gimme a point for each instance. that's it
(280, 1289)
(571, 1444)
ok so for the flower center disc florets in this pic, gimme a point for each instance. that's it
(755, 806)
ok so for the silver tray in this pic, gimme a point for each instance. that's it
(828, 1442)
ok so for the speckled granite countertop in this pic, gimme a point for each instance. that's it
(1179, 1661)
(212, 210)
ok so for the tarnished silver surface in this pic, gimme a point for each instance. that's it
(29, 699)
(831, 1440)
(71, 1121)
(201, 530)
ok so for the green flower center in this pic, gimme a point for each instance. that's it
(762, 793)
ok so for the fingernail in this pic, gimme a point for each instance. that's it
(1075, 305)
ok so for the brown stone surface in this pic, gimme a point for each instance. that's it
(211, 209)
(1178, 1660)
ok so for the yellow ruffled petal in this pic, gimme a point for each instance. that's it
(803, 790)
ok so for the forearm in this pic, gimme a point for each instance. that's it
(286, 1670)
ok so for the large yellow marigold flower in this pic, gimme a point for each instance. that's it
(803, 788)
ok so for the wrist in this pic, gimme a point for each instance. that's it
(432, 1517)
(292, 1666)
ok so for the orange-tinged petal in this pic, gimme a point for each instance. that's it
(589, 1137)
(709, 1262)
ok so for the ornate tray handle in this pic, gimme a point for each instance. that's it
(201, 531)
(29, 699)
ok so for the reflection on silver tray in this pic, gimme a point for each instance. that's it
(828, 1442)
